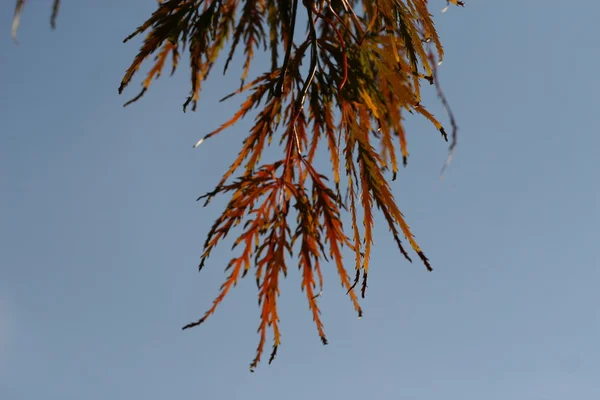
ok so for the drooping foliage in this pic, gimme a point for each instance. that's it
(364, 62)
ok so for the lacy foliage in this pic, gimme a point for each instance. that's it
(365, 69)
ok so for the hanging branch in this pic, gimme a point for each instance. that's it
(365, 72)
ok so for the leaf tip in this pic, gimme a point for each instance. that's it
(199, 142)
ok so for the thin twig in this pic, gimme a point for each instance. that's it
(55, 9)
(448, 110)
(335, 14)
(288, 51)
(342, 46)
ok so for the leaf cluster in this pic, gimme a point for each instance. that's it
(364, 73)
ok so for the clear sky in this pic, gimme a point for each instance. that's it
(100, 233)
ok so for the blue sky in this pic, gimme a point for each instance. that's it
(101, 234)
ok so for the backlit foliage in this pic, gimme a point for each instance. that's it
(363, 63)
